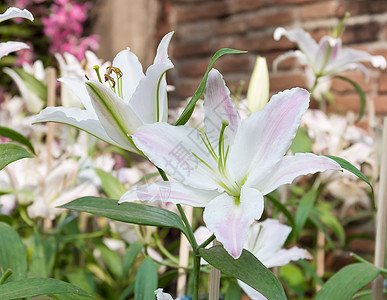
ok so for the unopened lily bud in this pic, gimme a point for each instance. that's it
(258, 91)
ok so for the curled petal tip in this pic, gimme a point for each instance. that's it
(278, 33)
(379, 62)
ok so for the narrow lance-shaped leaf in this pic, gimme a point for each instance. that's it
(31, 287)
(17, 137)
(246, 268)
(11, 152)
(127, 212)
(186, 114)
(359, 90)
(33, 85)
(12, 253)
(146, 280)
(345, 283)
(351, 168)
(303, 210)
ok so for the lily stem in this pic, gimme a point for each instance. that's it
(196, 274)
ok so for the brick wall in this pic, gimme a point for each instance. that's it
(204, 26)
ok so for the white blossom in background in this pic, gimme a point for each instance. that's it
(265, 241)
(132, 100)
(11, 46)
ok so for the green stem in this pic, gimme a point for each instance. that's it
(196, 274)
(5, 275)
(207, 241)
(357, 257)
(314, 85)
(164, 250)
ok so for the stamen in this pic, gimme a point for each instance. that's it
(221, 163)
(96, 69)
(111, 80)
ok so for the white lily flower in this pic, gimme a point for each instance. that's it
(11, 46)
(327, 57)
(265, 241)
(233, 165)
(160, 295)
(140, 99)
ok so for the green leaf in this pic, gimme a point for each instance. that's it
(324, 212)
(359, 90)
(351, 168)
(308, 269)
(112, 260)
(127, 212)
(31, 287)
(110, 185)
(17, 137)
(146, 280)
(233, 292)
(246, 268)
(313, 218)
(130, 256)
(303, 210)
(33, 85)
(293, 279)
(345, 283)
(281, 208)
(302, 142)
(11, 152)
(186, 114)
(38, 261)
(12, 253)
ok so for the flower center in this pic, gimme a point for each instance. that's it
(115, 85)
(222, 176)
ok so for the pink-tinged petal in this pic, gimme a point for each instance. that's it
(230, 222)
(150, 97)
(131, 68)
(219, 107)
(329, 48)
(173, 192)
(78, 88)
(176, 149)
(117, 118)
(11, 46)
(266, 238)
(297, 54)
(285, 256)
(303, 39)
(14, 12)
(351, 56)
(265, 136)
(80, 119)
(250, 292)
(289, 168)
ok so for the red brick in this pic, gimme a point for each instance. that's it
(197, 31)
(346, 102)
(193, 68)
(362, 7)
(283, 81)
(187, 87)
(237, 6)
(191, 49)
(236, 63)
(321, 9)
(341, 86)
(380, 102)
(233, 26)
(361, 33)
(287, 2)
(262, 43)
(201, 11)
(383, 82)
(275, 18)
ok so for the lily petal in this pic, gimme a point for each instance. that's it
(297, 54)
(173, 192)
(290, 167)
(80, 119)
(263, 138)
(14, 12)
(303, 39)
(285, 256)
(219, 107)
(176, 149)
(11, 46)
(117, 117)
(78, 88)
(131, 68)
(230, 222)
